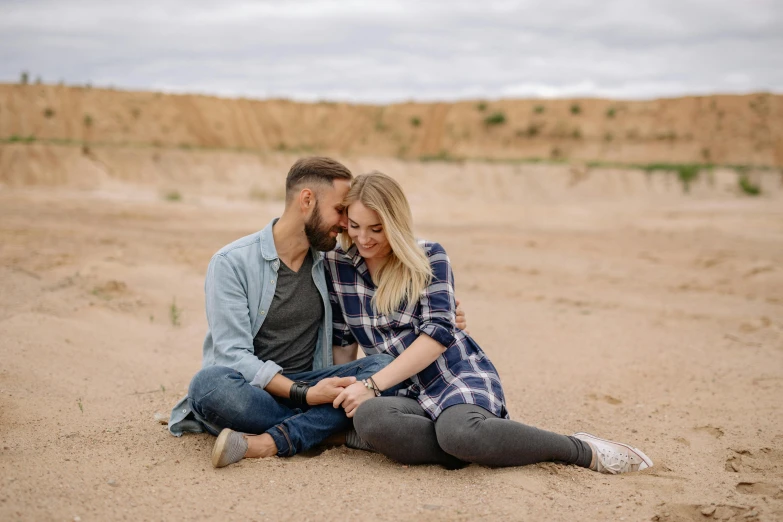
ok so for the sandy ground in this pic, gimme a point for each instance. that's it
(657, 321)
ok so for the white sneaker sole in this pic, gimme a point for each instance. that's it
(646, 461)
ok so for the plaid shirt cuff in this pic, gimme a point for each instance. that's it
(440, 333)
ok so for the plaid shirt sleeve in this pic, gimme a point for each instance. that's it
(437, 300)
(341, 332)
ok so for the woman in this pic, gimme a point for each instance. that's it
(394, 295)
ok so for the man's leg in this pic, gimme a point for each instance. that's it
(224, 399)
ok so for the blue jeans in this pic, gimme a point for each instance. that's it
(221, 398)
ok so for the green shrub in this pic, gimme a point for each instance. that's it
(496, 118)
(24, 78)
(610, 112)
(173, 195)
(744, 182)
(482, 106)
(577, 134)
(687, 174)
(576, 109)
(608, 136)
(415, 121)
(87, 120)
(48, 112)
(538, 109)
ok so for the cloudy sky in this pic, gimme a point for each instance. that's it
(393, 50)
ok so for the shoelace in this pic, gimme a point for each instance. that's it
(614, 461)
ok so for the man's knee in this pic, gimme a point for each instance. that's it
(208, 379)
(377, 362)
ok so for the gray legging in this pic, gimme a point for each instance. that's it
(400, 429)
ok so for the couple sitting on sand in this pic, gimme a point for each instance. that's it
(286, 312)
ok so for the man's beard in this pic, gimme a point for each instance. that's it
(317, 234)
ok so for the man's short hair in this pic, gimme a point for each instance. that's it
(315, 170)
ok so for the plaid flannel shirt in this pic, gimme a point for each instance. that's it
(461, 375)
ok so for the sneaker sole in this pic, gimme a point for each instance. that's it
(648, 463)
(220, 445)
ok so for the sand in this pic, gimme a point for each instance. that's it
(610, 302)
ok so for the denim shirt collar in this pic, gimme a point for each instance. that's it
(269, 251)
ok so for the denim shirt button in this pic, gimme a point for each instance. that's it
(184, 410)
(261, 312)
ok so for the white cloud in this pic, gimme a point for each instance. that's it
(399, 50)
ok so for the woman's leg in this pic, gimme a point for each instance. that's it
(473, 434)
(400, 429)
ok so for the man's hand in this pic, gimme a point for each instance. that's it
(351, 397)
(460, 321)
(327, 390)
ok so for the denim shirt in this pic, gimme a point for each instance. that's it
(239, 288)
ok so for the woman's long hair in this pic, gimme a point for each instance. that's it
(407, 270)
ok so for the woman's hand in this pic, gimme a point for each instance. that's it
(352, 396)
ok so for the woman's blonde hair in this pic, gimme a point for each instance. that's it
(407, 270)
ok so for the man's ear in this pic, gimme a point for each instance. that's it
(306, 200)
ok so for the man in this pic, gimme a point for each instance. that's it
(268, 366)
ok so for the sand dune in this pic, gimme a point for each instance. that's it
(705, 129)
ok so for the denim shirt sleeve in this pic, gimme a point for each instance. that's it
(228, 317)
(437, 303)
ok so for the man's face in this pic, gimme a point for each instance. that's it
(327, 219)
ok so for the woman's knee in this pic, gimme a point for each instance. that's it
(457, 430)
(372, 419)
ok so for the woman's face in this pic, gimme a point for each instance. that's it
(366, 231)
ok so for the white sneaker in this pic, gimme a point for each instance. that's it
(615, 457)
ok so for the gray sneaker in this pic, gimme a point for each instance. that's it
(229, 447)
(615, 457)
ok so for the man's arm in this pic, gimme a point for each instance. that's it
(228, 316)
(324, 391)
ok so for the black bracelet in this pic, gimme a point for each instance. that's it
(376, 389)
(298, 393)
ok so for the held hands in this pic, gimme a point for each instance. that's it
(327, 390)
(352, 396)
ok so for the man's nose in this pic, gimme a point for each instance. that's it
(343, 221)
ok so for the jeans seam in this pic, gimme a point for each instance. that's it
(288, 440)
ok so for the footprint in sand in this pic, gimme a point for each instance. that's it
(712, 430)
(605, 398)
(760, 488)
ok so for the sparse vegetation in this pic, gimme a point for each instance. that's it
(576, 109)
(576, 134)
(174, 313)
(610, 112)
(686, 172)
(482, 106)
(136, 112)
(556, 153)
(415, 121)
(79, 403)
(748, 187)
(608, 136)
(24, 78)
(496, 118)
(173, 195)
(538, 109)
(443, 155)
(21, 139)
(48, 112)
(87, 120)
(744, 182)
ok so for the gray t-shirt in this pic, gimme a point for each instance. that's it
(290, 331)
